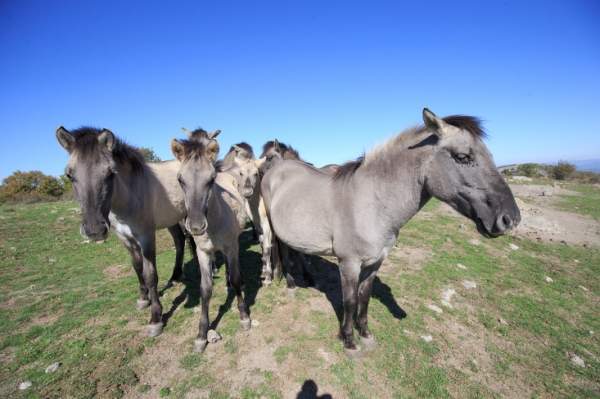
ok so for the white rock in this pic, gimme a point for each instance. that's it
(255, 323)
(427, 338)
(52, 368)
(576, 261)
(25, 385)
(407, 332)
(502, 321)
(548, 279)
(435, 308)
(591, 332)
(212, 336)
(468, 284)
(475, 242)
(583, 288)
(576, 360)
(447, 295)
(513, 246)
(461, 266)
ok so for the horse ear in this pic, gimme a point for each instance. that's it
(107, 138)
(212, 150)
(65, 139)
(177, 149)
(433, 123)
(187, 132)
(276, 145)
(214, 134)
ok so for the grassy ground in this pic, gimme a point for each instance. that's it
(510, 336)
(587, 203)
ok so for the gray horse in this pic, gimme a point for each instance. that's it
(356, 213)
(212, 221)
(116, 188)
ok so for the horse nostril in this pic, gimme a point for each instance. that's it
(507, 220)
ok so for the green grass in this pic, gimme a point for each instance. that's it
(63, 300)
(587, 203)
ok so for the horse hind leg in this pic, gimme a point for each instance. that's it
(235, 279)
(179, 241)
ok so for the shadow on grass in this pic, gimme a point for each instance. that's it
(309, 391)
(326, 277)
(250, 268)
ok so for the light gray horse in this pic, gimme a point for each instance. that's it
(356, 214)
(212, 222)
(116, 188)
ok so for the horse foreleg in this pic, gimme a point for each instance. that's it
(364, 295)
(206, 284)
(148, 246)
(349, 273)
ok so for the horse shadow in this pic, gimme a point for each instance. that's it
(309, 390)
(326, 278)
(250, 269)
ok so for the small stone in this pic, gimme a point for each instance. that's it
(52, 368)
(407, 332)
(427, 338)
(475, 242)
(548, 279)
(13, 249)
(576, 360)
(212, 336)
(576, 261)
(51, 260)
(513, 246)
(461, 266)
(469, 284)
(447, 295)
(591, 332)
(462, 226)
(435, 308)
(583, 288)
(502, 321)
(61, 219)
(255, 323)
(25, 385)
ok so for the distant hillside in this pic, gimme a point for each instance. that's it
(591, 165)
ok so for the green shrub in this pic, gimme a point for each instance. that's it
(563, 170)
(149, 154)
(33, 186)
(528, 169)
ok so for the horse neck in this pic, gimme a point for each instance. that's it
(128, 191)
(396, 184)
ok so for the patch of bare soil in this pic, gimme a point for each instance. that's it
(551, 225)
(539, 221)
(464, 348)
(115, 272)
(405, 258)
(45, 319)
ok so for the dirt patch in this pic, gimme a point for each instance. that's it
(45, 319)
(11, 303)
(551, 225)
(404, 258)
(116, 272)
(464, 348)
(539, 221)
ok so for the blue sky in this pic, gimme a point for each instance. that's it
(331, 78)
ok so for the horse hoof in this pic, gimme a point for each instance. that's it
(200, 345)
(154, 329)
(369, 343)
(142, 304)
(353, 353)
(246, 324)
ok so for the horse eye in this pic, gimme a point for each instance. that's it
(462, 158)
(69, 175)
(180, 180)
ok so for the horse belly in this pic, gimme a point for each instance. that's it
(300, 226)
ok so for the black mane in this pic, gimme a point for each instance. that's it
(86, 143)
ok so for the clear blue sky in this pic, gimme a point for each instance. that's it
(331, 79)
